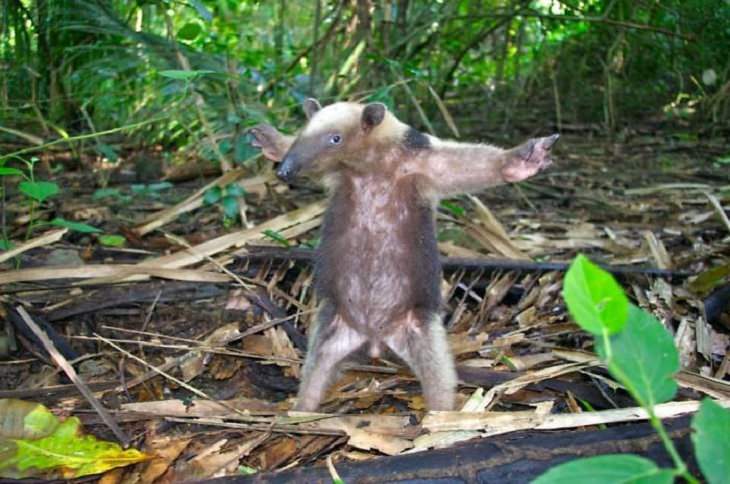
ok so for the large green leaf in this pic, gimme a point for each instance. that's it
(711, 439)
(6, 171)
(75, 226)
(212, 195)
(182, 75)
(38, 190)
(189, 31)
(594, 298)
(643, 358)
(112, 240)
(230, 206)
(34, 443)
(607, 469)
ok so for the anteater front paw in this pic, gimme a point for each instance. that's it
(528, 159)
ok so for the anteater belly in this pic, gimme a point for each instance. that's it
(380, 262)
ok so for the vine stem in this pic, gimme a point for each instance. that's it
(680, 468)
(81, 137)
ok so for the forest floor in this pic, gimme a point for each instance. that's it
(160, 333)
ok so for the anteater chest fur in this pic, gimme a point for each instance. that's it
(378, 257)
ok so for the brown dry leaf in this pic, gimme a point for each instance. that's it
(453, 250)
(108, 271)
(237, 301)
(528, 318)
(224, 367)
(658, 251)
(201, 408)
(258, 344)
(195, 361)
(45, 239)
(208, 462)
(684, 340)
(463, 343)
(281, 450)
(526, 362)
(282, 347)
(115, 476)
(492, 234)
(389, 445)
(165, 451)
(713, 387)
(85, 214)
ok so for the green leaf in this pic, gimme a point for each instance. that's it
(711, 440)
(594, 298)
(276, 237)
(212, 195)
(158, 187)
(230, 206)
(607, 469)
(235, 190)
(75, 226)
(38, 190)
(243, 151)
(152, 189)
(189, 31)
(112, 240)
(102, 193)
(454, 209)
(642, 358)
(107, 151)
(5, 244)
(181, 75)
(5, 171)
(708, 280)
(34, 443)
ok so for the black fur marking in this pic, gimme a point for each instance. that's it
(415, 140)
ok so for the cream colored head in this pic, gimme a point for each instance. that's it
(339, 135)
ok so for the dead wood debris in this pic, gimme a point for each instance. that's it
(201, 364)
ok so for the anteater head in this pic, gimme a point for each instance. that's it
(335, 136)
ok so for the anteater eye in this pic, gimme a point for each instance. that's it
(335, 139)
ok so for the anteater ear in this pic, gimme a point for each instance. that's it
(311, 106)
(373, 115)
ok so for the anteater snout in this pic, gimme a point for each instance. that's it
(288, 168)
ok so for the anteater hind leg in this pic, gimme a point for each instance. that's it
(422, 343)
(330, 341)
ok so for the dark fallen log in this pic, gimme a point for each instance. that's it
(298, 254)
(22, 328)
(514, 458)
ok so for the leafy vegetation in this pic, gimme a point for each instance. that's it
(194, 74)
(33, 442)
(640, 354)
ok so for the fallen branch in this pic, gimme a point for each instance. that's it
(518, 457)
(74, 377)
(307, 255)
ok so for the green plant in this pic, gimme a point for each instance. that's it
(228, 198)
(35, 191)
(640, 354)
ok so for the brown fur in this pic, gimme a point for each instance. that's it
(377, 271)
